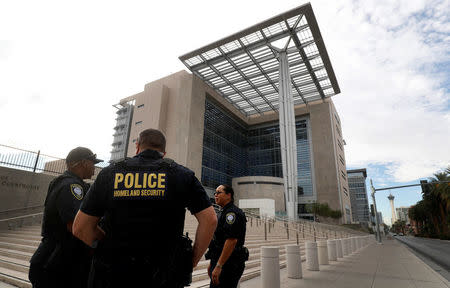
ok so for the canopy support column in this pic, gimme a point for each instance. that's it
(288, 139)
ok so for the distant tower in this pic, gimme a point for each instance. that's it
(391, 200)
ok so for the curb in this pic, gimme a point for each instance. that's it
(445, 281)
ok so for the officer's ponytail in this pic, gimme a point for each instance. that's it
(228, 190)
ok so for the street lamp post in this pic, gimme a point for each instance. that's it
(376, 213)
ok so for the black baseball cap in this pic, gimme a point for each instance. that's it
(81, 153)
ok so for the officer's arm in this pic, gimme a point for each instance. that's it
(86, 229)
(228, 248)
(207, 222)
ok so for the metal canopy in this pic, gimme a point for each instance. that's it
(244, 67)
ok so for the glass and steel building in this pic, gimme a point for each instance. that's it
(358, 195)
(250, 109)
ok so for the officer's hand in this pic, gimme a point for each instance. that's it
(209, 270)
(215, 275)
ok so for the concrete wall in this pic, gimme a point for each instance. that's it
(257, 187)
(20, 189)
(174, 106)
(266, 207)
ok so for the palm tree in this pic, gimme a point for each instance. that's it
(438, 197)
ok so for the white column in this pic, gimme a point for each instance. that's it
(339, 252)
(270, 267)
(352, 245)
(294, 261)
(312, 258)
(344, 247)
(288, 139)
(332, 250)
(322, 248)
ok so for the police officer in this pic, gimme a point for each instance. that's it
(143, 201)
(62, 260)
(227, 251)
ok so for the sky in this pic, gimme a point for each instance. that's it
(63, 64)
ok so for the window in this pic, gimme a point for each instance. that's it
(341, 159)
(339, 131)
(138, 123)
(140, 106)
(340, 145)
(337, 119)
(345, 191)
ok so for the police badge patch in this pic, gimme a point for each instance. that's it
(230, 217)
(77, 191)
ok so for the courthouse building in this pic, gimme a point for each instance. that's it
(222, 119)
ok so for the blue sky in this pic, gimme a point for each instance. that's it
(64, 64)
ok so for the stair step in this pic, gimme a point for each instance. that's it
(18, 247)
(21, 241)
(18, 279)
(13, 264)
(21, 236)
(16, 254)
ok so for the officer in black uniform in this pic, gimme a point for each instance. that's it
(62, 260)
(227, 251)
(143, 201)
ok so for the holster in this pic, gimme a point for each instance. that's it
(182, 261)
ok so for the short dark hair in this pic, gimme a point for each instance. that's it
(152, 138)
(228, 190)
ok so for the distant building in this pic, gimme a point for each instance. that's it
(402, 214)
(122, 130)
(358, 195)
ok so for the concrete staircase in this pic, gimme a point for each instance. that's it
(18, 245)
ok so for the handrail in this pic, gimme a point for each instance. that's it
(17, 209)
(21, 217)
(324, 226)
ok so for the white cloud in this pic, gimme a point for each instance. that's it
(65, 64)
(394, 110)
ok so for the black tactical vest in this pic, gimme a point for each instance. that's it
(147, 208)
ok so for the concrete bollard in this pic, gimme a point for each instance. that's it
(344, 247)
(332, 256)
(339, 252)
(294, 262)
(352, 245)
(322, 249)
(270, 266)
(355, 247)
(312, 256)
(349, 246)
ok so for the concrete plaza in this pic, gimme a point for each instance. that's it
(375, 266)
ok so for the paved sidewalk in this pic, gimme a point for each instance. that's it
(375, 266)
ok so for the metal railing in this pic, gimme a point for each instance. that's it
(33, 161)
(300, 229)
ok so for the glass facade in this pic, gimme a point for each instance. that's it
(232, 150)
(358, 196)
(224, 148)
(264, 151)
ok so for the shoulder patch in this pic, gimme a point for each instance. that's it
(230, 217)
(77, 191)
